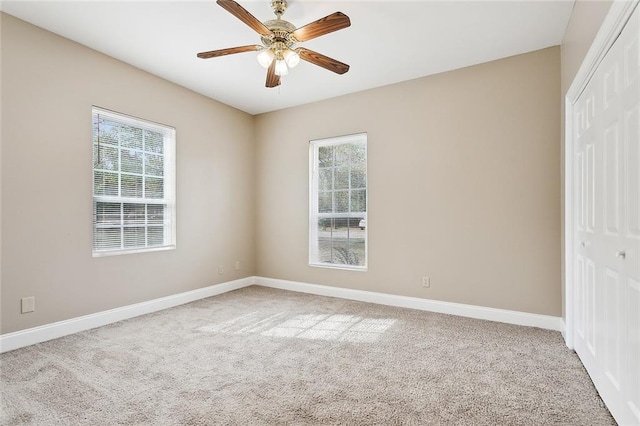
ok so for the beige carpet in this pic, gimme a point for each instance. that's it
(260, 356)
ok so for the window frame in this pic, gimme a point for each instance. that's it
(315, 215)
(168, 181)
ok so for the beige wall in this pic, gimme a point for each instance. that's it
(464, 172)
(585, 22)
(48, 87)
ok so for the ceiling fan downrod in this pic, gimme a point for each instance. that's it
(279, 7)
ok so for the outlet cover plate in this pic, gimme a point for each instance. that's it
(27, 304)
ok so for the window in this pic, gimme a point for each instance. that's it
(133, 184)
(338, 202)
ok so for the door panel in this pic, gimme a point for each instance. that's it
(613, 326)
(580, 297)
(632, 146)
(612, 181)
(591, 188)
(634, 347)
(590, 307)
(580, 188)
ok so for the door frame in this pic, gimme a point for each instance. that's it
(612, 26)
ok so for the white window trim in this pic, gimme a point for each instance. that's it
(313, 202)
(169, 153)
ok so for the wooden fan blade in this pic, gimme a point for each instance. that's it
(242, 14)
(328, 24)
(322, 61)
(229, 51)
(273, 80)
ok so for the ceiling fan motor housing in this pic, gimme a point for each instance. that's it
(280, 33)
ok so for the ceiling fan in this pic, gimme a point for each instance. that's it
(278, 51)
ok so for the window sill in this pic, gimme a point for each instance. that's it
(132, 251)
(339, 266)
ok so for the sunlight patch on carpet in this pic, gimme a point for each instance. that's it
(344, 328)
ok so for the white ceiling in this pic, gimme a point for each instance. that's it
(388, 41)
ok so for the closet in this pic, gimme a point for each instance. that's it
(606, 225)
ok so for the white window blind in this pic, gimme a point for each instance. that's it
(338, 202)
(133, 184)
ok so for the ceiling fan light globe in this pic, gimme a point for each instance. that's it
(265, 58)
(281, 68)
(291, 58)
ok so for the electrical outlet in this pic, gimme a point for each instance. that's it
(237, 265)
(220, 269)
(27, 304)
(426, 282)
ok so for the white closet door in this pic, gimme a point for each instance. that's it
(607, 208)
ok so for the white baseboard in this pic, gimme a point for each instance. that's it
(480, 312)
(54, 330)
(51, 331)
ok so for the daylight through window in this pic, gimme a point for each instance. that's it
(133, 184)
(338, 202)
